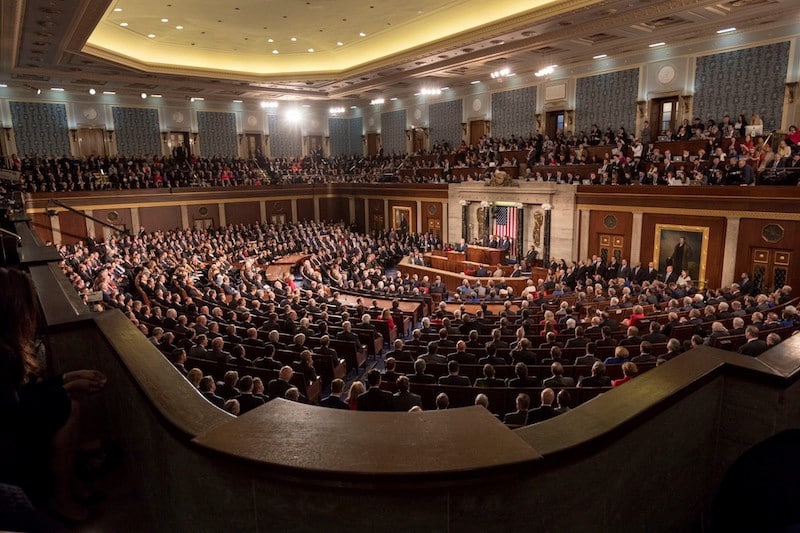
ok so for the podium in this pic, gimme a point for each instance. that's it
(486, 255)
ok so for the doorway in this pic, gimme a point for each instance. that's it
(435, 227)
(91, 142)
(477, 129)
(554, 122)
(611, 246)
(665, 113)
(372, 143)
(179, 145)
(770, 268)
(252, 145)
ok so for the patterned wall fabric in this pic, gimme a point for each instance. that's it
(742, 82)
(445, 122)
(40, 129)
(345, 135)
(285, 138)
(608, 100)
(393, 132)
(217, 134)
(514, 112)
(137, 130)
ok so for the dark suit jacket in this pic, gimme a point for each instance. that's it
(486, 382)
(277, 388)
(558, 381)
(375, 399)
(545, 412)
(577, 342)
(422, 378)
(403, 401)
(455, 380)
(753, 348)
(463, 358)
(595, 381)
(530, 381)
(219, 401)
(334, 403)
(517, 418)
(248, 402)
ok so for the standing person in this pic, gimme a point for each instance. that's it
(680, 255)
(39, 413)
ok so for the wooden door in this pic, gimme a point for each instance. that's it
(611, 246)
(770, 268)
(664, 112)
(252, 145)
(435, 227)
(554, 122)
(419, 140)
(477, 129)
(91, 141)
(372, 143)
(203, 223)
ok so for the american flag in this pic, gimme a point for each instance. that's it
(505, 222)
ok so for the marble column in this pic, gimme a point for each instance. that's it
(583, 253)
(222, 220)
(351, 210)
(294, 210)
(387, 222)
(418, 229)
(55, 225)
(636, 240)
(316, 207)
(263, 207)
(135, 223)
(89, 224)
(731, 248)
(185, 217)
(366, 215)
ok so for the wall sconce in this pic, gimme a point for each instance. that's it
(74, 134)
(8, 133)
(641, 107)
(791, 89)
(538, 121)
(687, 101)
(110, 135)
(164, 136)
(463, 128)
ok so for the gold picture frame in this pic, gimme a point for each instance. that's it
(398, 213)
(696, 238)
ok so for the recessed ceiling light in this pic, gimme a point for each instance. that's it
(293, 39)
(196, 99)
(57, 89)
(726, 30)
(310, 49)
(178, 27)
(270, 40)
(655, 45)
(362, 34)
(164, 20)
(274, 51)
(123, 24)
(109, 92)
(600, 56)
(475, 82)
(393, 99)
(237, 101)
(143, 95)
(353, 107)
(155, 95)
(3, 85)
(92, 91)
(151, 35)
(117, 9)
(339, 43)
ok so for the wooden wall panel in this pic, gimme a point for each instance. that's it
(750, 230)
(305, 209)
(716, 237)
(432, 217)
(160, 218)
(123, 218)
(361, 215)
(202, 212)
(42, 225)
(412, 205)
(278, 209)
(335, 209)
(243, 212)
(73, 227)
(376, 214)
(597, 227)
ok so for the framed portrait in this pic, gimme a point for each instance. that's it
(401, 219)
(684, 248)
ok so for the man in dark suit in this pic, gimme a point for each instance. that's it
(652, 273)
(399, 352)
(431, 356)
(461, 246)
(403, 399)
(489, 379)
(598, 377)
(645, 354)
(558, 379)
(452, 377)
(208, 389)
(461, 355)
(754, 346)
(522, 379)
(518, 417)
(389, 375)
(545, 411)
(578, 341)
(491, 356)
(419, 375)
(267, 360)
(590, 357)
(633, 337)
(655, 336)
(277, 387)
(247, 401)
(374, 399)
(325, 349)
(334, 401)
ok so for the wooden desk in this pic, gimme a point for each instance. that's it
(485, 255)
(280, 267)
(452, 280)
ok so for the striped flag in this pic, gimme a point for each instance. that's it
(505, 222)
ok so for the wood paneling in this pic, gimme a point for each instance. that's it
(716, 240)
(41, 224)
(203, 212)
(377, 218)
(360, 214)
(750, 237)
(160, 218)
(432, 216)
(278, 209)
(73, 227)
(305, 209)
(335, 209)
(597, 227)
(243, 213)
(123, 218)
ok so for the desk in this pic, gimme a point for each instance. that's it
(452, 279)
(280, 267)
(486, 255)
